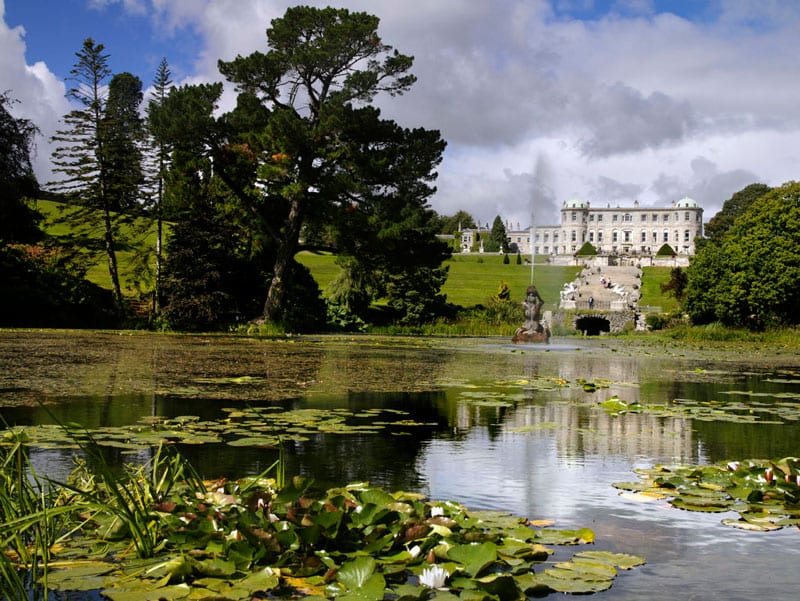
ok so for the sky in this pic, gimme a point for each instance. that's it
(540, 101)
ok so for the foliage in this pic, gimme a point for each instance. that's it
(665, 251)
(748, 278)
(18, 221)
(732, 208)
(498, 240)
(322, 155)
(43, 288)
(453, 224)
(205, 284)
(676, 286)
(503, 293)
(655, 321)
(122, 132)
(587, 250)
(765, 494)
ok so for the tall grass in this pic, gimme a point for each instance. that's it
(125, 504)
(33, 517)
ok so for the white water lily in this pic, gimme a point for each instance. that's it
(434, 577)
(437, 511)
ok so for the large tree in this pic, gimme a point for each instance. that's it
(452, 224)
(317, 80)
(160, 161)
(498, 240)
(18, 221)
(749, 278)
(81, 156)
(736, 205)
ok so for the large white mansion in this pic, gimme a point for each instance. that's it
(611, 230)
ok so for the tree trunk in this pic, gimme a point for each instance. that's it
(111, 253)
(285, 255)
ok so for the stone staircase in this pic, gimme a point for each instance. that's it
(604, 288)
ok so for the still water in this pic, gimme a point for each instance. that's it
(483, 422)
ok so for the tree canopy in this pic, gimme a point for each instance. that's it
(748, 277)
(324, 157)
(17, 181)
(736, 205)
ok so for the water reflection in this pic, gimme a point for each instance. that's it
(495, 428)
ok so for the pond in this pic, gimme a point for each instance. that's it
(542, 431)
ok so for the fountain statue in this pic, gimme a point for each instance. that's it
(532, 330)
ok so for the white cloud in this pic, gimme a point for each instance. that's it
(536, 105)
(39, 93)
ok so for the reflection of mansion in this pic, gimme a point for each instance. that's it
(634, 230)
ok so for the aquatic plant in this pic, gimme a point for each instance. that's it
(765, 493)
(237, 539)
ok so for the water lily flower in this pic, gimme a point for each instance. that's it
(434, 577)
(437, 511)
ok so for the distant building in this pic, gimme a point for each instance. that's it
(634, 230)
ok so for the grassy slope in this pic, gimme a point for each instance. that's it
(54, 213)
(473, 279)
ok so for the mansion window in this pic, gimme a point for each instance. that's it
(614, 237)
(686, 216)
(644, 236)
(627, 217)
(666, 236)
(686, 236)
(655, 218)
(574, 236)
(614, 217)
(644, 217)
(627, 235)
(666, 217)
(591, 236)
(574, 216)
(600, 217)
(599, 236)
(591, 217)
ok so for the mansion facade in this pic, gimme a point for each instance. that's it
(632, 230)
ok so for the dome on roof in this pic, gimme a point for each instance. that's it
(575, 203)
(687, 203)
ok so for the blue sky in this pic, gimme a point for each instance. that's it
(133, 40)
(540, 101)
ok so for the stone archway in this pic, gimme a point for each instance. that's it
(592, 325)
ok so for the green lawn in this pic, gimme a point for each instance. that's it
(473, 279)
(138, 237)
(652, 278)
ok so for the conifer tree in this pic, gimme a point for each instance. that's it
(80, 154)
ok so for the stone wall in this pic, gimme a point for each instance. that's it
(618, 321)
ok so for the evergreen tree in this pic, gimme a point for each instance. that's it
(498, 241)
(122, 134)
(315, 158)
(80, 154)
(161, 150)
(18, 221)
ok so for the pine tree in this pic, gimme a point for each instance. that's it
(161, 86)
(80, 153)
